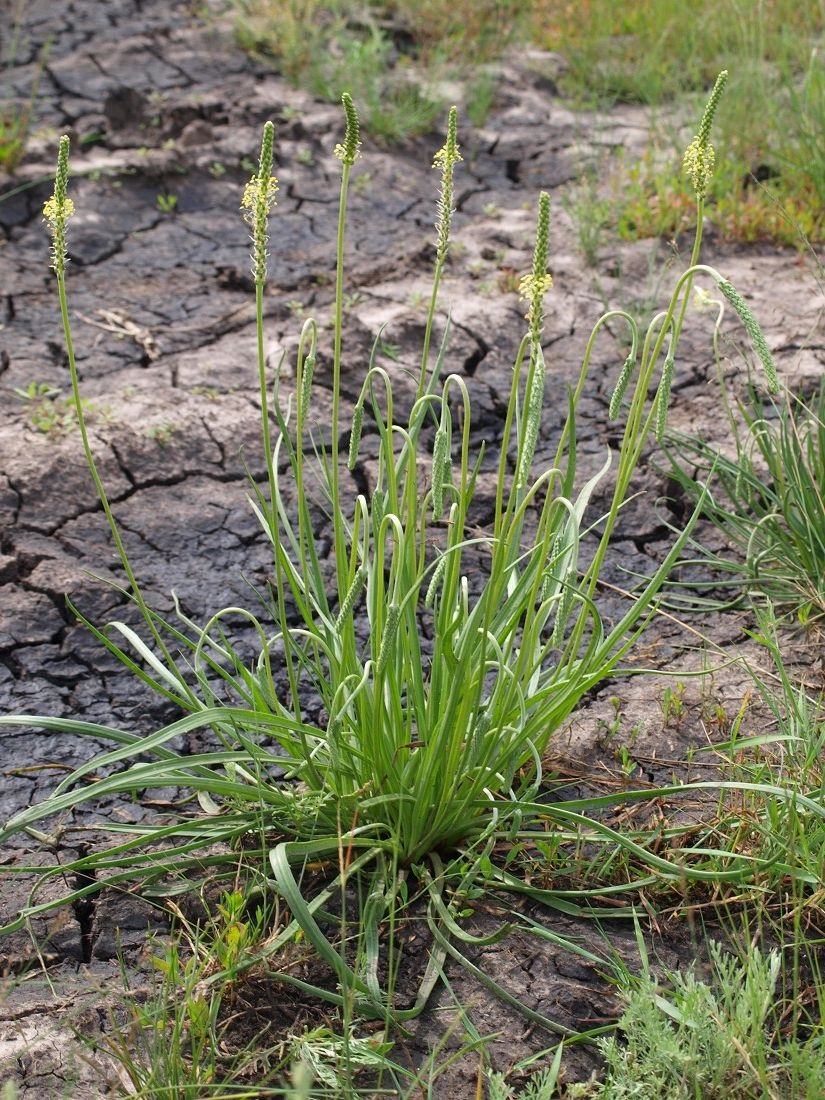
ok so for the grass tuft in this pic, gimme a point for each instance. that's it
(768, 500)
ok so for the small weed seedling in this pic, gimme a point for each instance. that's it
(162, 433)
(47, 411)
(167, 203)
(592, 214)
(673, 703)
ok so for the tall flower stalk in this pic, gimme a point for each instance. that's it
(347, 152)
(533, 288)
(258, 202)
(445, 160)
(56, 214)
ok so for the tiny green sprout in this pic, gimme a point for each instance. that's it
(258, 202)
(234, 934)
(612, 727)
(390, 350)
(162, 433)
(347, 150)
(626, 762)
(59, 208)
(700, 158)
(167, 204)
(48, 412)
(36, 391)
(673, 702)
(532, 290)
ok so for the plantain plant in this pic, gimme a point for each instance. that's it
(426, 754)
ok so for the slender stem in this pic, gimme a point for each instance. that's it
(425, 355)
(264, 398)
(136, 593)
(340, 542)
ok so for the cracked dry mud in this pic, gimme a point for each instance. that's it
(157, 102)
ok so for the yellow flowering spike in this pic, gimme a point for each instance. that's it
(531, 289)
(59, 208)
(534, 286)
(448, 154)
(257, 203)
(700, 158)
(698, 165)
(52, 213)
(445, 160)
(252, 195)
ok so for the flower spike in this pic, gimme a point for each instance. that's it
(700, 158)
(446, 159)
(258, 202)
(59, 208)
(347, 151)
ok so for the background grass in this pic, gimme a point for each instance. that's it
(16, 110)
(395, 56)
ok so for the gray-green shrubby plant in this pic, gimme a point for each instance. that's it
(690, 1037)
(423, 757)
